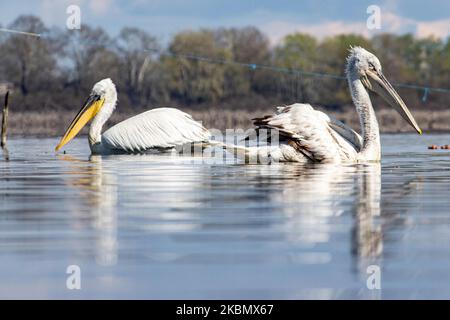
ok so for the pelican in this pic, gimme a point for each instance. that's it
(307, 135)
(157, 129)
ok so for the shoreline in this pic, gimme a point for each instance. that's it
(53, 124)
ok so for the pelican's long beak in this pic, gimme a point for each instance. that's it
(378, 83)
(91, 107)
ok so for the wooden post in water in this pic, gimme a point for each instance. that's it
(5, 121)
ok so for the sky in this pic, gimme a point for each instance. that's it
(276, 18)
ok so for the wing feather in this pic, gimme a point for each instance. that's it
(313, 133)
(156, 128)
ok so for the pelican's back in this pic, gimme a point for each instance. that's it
(312, 133)
(156, 128)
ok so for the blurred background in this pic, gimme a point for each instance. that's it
(142, 46)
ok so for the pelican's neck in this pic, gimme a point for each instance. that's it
(95, 131)
(371, 148)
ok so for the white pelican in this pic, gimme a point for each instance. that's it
(161, 128)
(308, 135)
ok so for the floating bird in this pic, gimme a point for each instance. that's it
(156, 129)
(307, 135)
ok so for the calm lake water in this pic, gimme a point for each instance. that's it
(168, 227)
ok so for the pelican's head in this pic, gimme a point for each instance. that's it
(363, 65)
(101, 103)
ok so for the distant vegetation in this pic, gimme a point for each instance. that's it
(57, 71)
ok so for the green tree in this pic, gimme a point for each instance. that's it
(248, 45)
(331, 55)
(298, 52)
(194, 80)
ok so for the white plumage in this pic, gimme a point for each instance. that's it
(308, 135)
(157, 129)
(312, 134)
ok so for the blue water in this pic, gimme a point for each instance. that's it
(168, 227)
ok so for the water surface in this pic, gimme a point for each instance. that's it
(167, 227)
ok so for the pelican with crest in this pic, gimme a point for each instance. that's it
(156, 129)
(310, 136)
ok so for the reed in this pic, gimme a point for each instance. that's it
(4, 121)
(54, 123)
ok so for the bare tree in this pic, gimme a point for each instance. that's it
(90, 57)
(24, 59)
(135, 48)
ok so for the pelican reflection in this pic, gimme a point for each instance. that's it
(317, 202)
(98, 193)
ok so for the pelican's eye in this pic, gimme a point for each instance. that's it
(372, 67)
